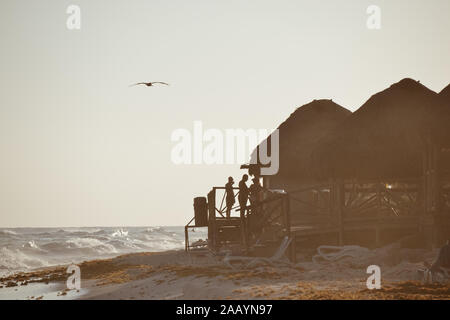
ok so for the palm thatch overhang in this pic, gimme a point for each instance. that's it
(384, 138)
(300, 133)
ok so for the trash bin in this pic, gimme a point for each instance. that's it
(201, 212)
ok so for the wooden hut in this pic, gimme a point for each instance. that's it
(375, 175)
(383, 161)
(369, 177)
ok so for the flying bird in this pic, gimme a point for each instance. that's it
(149, 84)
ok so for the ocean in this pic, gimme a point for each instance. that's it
(24, 249)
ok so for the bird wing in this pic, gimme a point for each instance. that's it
(161, 82)
(138, 84)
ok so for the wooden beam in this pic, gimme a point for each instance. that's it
(212, 232)
(340, 203)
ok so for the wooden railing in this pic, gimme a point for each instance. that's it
(340, 204)
(260, 221)
(382, 199)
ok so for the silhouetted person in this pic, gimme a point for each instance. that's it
(243, 197)
(243, 194)
(255, 190)
(229, 196)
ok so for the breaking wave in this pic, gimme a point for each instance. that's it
(24, 249)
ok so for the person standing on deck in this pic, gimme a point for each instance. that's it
(229, 196)
(243, 194)
(243, 197)
(255, 190)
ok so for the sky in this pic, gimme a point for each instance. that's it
(79, 147)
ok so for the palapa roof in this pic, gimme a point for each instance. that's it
(300, 133)
(445, 93)
(442, 123)
(385, 137)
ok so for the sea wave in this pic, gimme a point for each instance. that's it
(29, 248)
(120, 233)
(12, 260)
(7, 233)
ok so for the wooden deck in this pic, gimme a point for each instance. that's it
(306, 230)
(339, 211)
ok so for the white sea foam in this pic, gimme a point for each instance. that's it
(30, 244)
(28, 248)
(14, 260)
(120, 233)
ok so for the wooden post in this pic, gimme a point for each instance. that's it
(436, 196)
(340, 203)
(212, 234)
(331, 198)
(431, 193)
(423, 193)
(286, 214)
(437, 179)
(266, 182)
(379, 205)
(287, 223)
(243, 227)
(186, 239)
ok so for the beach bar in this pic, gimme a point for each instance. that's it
(367, 178)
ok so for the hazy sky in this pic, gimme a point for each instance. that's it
(78, 147)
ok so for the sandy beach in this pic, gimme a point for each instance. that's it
(178, 275)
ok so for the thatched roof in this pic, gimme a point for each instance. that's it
(442, 121)
(445, 93)
(299, 134)
(383, 138)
